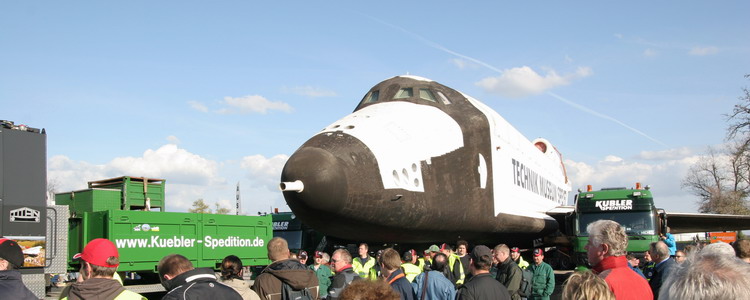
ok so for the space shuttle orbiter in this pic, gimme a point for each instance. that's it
(417, 162)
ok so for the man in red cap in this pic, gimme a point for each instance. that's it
(323, 272)
(11, 285)
(99, 262)
(515, 254)
(543, 283)
(302, 257)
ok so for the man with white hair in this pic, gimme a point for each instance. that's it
(606, 253)
(708, 275)
(659, 252)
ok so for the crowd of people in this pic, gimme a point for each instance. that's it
(716, 271)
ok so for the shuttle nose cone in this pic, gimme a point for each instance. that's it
(323, 179)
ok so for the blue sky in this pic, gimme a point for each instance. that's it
(208, 94)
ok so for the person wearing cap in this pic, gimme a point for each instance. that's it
(508, 272)
(303, 257)
(364, 264)
(433, 284)
(341, 261)
(428, 255)
(11, 285)
(183, 281)
(482, 286)
(455, 271)
(323, 272)
(605, 251)
(543, 282)
(633, 263)
(410, 269)
(462, 250)
(283, 270)
(99, 261)
(390, 264)
(515, 254)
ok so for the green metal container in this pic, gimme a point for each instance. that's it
(121, 193)
(144, 237)
(90, 200)
(137, 192)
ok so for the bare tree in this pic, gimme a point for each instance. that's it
(722, 178)
(739, 126)
(222, 210)
(199, 206)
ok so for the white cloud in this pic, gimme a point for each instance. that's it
(188, 174)
(664, 176)
(678, 153)
(173, 139)
(650, 52)
(310, 91)
(524, 81)
(198, 106)
(265, 170)
(252, 104)
(189, 177)
(169, 161)
(702, 51)
(618, 35)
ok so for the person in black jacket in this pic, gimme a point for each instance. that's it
(11, 286)
(341, 262)
(482, 285)
(183, 281)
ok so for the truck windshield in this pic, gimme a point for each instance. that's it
(635, 223)
(293, 238)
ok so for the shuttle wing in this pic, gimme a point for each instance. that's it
(695, 222)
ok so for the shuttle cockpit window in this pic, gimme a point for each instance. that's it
(427, 95)
(443, 98)
(372, 97)
(404, 93)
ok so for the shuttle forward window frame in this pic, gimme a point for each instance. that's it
(372, 96)
(443, 98)
(404, 93)
(426, 94)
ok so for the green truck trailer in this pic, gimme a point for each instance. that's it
(129, 212)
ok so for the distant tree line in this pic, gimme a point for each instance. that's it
(200, 206)
(721, 179)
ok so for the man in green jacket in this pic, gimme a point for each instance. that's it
(543, 283)
(323, 272)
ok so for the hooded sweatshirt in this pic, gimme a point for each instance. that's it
(268, 285)
(98, 289)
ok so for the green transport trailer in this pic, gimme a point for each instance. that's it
(129, 211)
(633, 208)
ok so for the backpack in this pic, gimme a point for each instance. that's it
(527, 283)
(287, 293)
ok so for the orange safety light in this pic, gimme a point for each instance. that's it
(589, 188)
(637, 185)
(276, 210)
